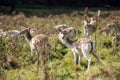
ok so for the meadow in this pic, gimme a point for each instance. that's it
(17, 63)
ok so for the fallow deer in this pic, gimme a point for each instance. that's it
(116, 39)
(10, 33)
(83, 46)
(3, 34)
(36, 41)
(59, 28)
(13, 34)
(111, 29)
(89, 27)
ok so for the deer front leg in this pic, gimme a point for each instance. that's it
(75, 59)
(76, 56)
(87, 56)
(32, 49)
(89, 61)
(85, 33)
(79, 58)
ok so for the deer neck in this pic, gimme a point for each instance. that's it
(28, 37)
(69, 43)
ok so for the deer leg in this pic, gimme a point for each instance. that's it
(86, 55)
(32, 50)
(75, 56)
(32, 47)
(79, 58)
(95, 54)
(89, 61)
(85, 33)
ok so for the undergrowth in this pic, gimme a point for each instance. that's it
(60, 66)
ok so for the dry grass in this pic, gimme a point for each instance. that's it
(60, 66)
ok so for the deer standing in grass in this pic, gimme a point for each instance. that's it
(83, 46)
(89, 27)
(36, 41)
(40, 44)
(116, 39)
(11, 33)
(111, 29)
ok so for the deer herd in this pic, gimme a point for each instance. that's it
(80, 47)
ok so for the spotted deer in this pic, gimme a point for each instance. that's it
(36, 41)
(111, 29)
(116, 39)
(89, 27)
(10, 33)
(80, 47)
(13, 34)
(60, 27)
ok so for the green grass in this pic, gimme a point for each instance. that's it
(61, 66)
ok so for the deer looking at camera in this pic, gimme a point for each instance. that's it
(36, 41)
(89, 27)
(83, 46)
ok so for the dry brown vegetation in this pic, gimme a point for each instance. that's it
(15, 55)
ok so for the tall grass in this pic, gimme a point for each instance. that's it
(60, 66)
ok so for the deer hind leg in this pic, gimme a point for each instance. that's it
(85, 33)
(89, 61)
(95, 54)
(79, 58)
(87, 56)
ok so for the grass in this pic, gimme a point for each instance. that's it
(60, 66)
